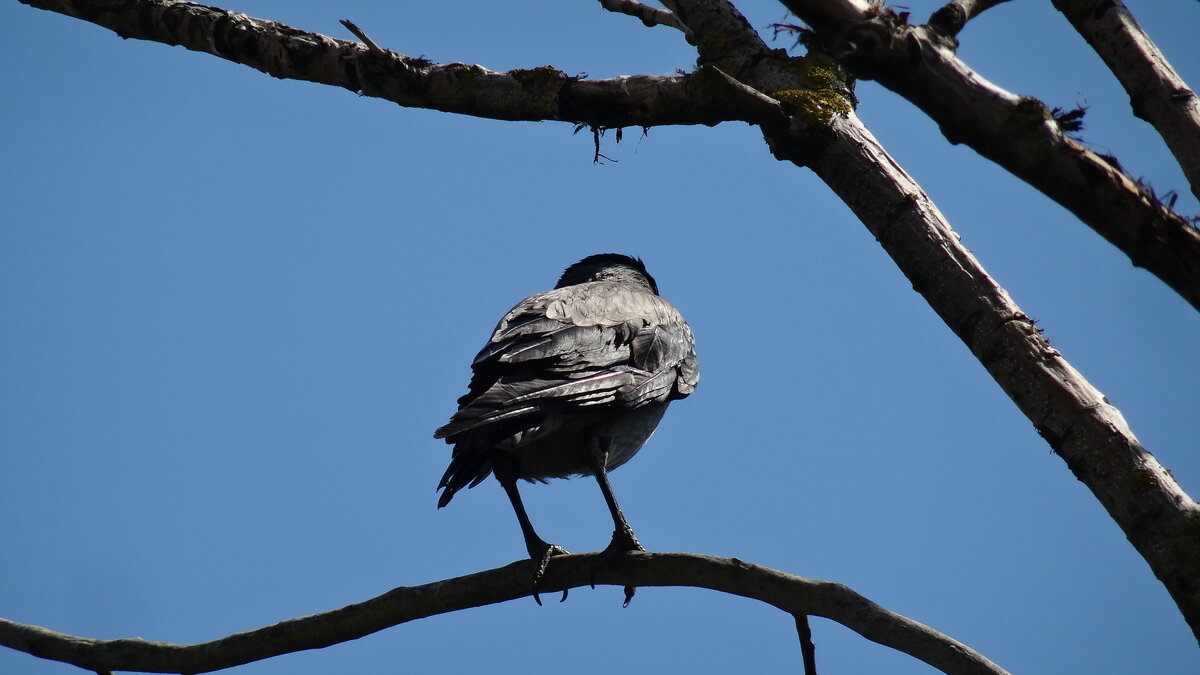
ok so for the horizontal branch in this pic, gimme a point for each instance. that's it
(542, 93)
(790, 593)
(1156, 92)
(1020, 134)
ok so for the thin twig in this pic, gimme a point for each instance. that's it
(808, 651)
(361, 36)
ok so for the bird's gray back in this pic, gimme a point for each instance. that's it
(580, 359)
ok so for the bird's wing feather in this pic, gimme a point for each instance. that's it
(578, 347)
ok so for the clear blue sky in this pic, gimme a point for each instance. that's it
(235, 308)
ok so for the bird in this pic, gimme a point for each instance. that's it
(572, 382)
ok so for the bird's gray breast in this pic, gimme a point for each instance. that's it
(559, 446)
(629, 432)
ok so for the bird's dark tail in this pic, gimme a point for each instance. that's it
(469, 465)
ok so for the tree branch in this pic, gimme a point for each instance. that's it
(543, 93)
(953, 16)
(808, 651)
(1078, 422)
(1020, 134)
(1156, 92)
(1159, 518)
(792, 594)
(650, 16)
(719, 30)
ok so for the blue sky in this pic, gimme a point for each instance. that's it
(235, 308)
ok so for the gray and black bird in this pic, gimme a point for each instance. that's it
(572, 382)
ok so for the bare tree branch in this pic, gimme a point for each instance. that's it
(376, 49)
(1081, 426)
(951, 17)
(1156, 92)
(543, 93)
(651, 16)
(719, 30)
(792, 594)
(808, 651)
(828, 14)
(1020, 134)
(1159, 518)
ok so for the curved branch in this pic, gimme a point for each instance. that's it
(1156, 92)
(1020, 134)
(543, 93)
(790, 593)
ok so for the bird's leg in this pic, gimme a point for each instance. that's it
(539, 551)
(623, 539)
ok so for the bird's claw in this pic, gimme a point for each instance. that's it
(541, 562)
(623, 542)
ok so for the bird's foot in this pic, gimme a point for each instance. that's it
(541, 560)
(623, 541)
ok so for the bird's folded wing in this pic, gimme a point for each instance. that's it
(579, 347)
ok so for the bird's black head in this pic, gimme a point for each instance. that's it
(608, 267)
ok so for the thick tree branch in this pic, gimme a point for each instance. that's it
(538, 94)
(792, 594)
(829, 14)
(1020, 134)
(720, 32)
(1156, 92)
(1078, 422)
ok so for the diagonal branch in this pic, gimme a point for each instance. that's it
(719, 30)
(953, 16)
(543, 93)
(793, 594)
(1081, 426)
(1156, 92)
(1020, 134)
(650, 16)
